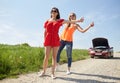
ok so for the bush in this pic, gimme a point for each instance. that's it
(19, 59)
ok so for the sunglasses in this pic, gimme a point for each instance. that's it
(54, 11)
(72, 15)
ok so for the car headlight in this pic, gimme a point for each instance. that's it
(105, 50)
(92, 51)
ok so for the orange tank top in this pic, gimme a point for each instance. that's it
(67, 34)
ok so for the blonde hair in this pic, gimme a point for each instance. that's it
(70, 18)
(72, 14)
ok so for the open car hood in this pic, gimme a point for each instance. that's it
(100, 42)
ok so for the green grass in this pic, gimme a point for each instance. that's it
(77, 54)
(20, 59)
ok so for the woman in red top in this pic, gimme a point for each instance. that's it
(51, 38)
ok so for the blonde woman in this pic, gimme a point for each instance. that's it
(67, 39)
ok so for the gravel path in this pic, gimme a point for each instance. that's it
(84, 71)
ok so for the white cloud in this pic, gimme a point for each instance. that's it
(10, 34)
(4, 13)
(100, 17)
(10, 30)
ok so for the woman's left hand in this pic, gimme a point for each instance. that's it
(92, 24)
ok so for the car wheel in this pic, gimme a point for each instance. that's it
(92, 56)
(111, 55)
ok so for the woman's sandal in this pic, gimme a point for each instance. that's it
(42, 74)
(53, 77)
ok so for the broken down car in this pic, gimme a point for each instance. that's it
(100, 48)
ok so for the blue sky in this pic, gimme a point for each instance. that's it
(21, 21)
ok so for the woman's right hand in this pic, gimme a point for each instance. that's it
(81, 19)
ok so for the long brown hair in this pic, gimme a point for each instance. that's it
(58, 16)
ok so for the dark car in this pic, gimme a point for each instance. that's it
(101, 48)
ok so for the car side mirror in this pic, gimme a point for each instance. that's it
(111, 47)
(90, 48)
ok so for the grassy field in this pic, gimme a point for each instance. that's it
(20, 59)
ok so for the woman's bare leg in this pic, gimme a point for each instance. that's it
(46, 58)
(54, 51)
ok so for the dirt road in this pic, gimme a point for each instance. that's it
(84, 71)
